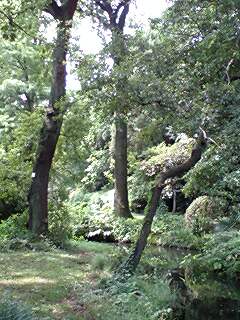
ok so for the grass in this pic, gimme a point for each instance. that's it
(47, 281)
(70, 284)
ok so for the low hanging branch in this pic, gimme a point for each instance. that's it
(130, 265)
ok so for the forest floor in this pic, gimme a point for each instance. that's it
(70, 284)
(50, 282)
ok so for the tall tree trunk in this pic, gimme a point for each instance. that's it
(130, 265)
(117, 17)
(38, 193)
(121, 204)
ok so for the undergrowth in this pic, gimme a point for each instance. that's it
(14, 310)
(139, 298)
(220, 255)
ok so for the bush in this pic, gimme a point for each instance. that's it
(168, 229)
(59, 224)
(221, 254)
(15, 236)
(201, 213)
(13, 310)
(14, 226)
(171, 230)
(104, 223)
(217, 174)
(100, 261)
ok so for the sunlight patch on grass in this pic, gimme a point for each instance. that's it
(47, 281)
(23, 281)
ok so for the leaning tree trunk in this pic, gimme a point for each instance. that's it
(38, 193)
(130, 265)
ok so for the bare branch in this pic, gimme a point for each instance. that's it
(203, 133)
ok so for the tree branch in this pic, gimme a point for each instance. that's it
(120, 5)
(105, 6)
(62, 12)
(55, 11)
(113, 13)
(11, 21)
(131, 264)
(123, 15)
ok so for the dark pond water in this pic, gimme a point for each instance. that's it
(211, 299)
(219, 309)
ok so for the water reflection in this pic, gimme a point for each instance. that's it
(211, 299)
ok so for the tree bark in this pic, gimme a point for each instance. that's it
(49, 134)
(121, 204)
(130, 265)
(116, 24)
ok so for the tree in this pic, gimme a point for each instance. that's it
(50, 131)
(24, 80)
(116, 23)
(132, 262)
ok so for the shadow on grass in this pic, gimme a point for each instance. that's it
(45, 280)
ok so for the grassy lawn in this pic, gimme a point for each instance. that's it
(49, 282)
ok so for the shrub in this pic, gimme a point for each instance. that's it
(13, 310)
(221, 254)
(201, 213)
(104, 223)
(99, 261)
(15, 236)
(171, 230)
(59, 224)
(168, 229)
(217, 174)
(14, 226)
